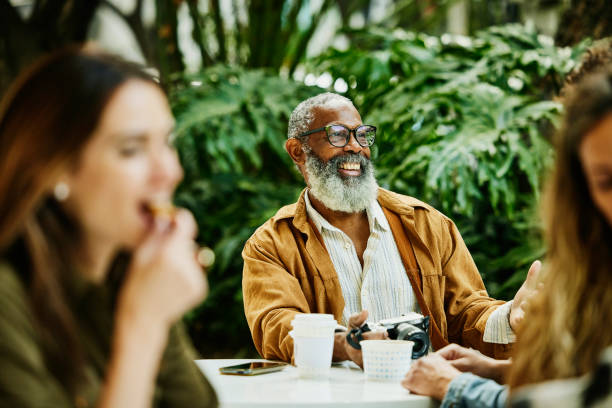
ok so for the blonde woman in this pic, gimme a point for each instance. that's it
(569, 325)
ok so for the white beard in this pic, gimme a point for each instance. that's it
(346, 194)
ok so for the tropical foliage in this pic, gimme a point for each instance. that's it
(463, 121)
(231, 128)
(463, 125)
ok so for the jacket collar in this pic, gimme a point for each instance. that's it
(397, 203)
(402, 205)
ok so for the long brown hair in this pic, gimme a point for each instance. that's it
(46, 118)
(568, 326)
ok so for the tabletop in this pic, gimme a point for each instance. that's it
(345, 387)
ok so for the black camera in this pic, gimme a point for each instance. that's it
(411, 326)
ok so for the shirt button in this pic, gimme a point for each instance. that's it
(347, 245)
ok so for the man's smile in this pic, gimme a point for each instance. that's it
(349, 169)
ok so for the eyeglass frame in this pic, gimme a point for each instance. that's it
(351, 131)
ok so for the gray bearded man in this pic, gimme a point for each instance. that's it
(349, 195)
(357, 251)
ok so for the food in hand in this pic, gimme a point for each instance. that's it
(164, 210)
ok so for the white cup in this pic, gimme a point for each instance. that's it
(386, 360)
(313, 343)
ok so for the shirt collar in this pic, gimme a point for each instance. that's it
(317, 219)
(376, 213)
(376, 217)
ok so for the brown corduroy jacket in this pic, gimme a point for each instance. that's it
(287, 270)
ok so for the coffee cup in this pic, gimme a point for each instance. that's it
(313, 344)
(386, 360)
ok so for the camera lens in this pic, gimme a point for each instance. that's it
(407, 331)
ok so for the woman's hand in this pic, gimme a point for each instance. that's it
(163, 282)
(469, 360)
(430, 376)
(164, 279)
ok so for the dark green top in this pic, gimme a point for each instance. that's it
(25, 380)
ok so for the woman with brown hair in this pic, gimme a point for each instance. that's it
(569, 321)
(92, 280)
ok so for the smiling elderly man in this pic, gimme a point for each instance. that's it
(350, 248)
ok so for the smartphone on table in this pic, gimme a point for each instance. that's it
(253, 368)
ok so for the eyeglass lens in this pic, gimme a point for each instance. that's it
(339, 135)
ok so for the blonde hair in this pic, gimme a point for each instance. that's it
(568, 326)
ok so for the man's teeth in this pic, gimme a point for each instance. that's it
(350, 166)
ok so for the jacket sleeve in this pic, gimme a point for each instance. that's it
(468, 390)
(180, 383)
(25, 380)
(272, 296)
(466, 302)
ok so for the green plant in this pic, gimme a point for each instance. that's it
(464, 125)
(230, 133)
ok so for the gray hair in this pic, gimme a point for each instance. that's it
(302, 115)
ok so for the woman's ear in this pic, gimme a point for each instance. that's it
(294, 148)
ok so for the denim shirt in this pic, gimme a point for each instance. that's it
(468, 391)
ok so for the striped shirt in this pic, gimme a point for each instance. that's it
(382, 286)
(498, 328)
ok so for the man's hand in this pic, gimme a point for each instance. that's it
(431, 376)
(343, 350)
(469, 360)
(524, 294)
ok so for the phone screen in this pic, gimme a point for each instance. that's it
(253, 368)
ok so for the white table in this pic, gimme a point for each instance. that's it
(346, 387)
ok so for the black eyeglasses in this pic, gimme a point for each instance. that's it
(339, 135)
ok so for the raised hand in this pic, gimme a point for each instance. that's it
(164, 279)
(527, 290)
(163, 282)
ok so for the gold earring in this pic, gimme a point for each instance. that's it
(61, 191)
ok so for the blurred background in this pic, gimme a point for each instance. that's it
(463, 93)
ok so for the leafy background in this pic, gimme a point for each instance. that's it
(464, 125)
(464, 121)
(231, 128)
